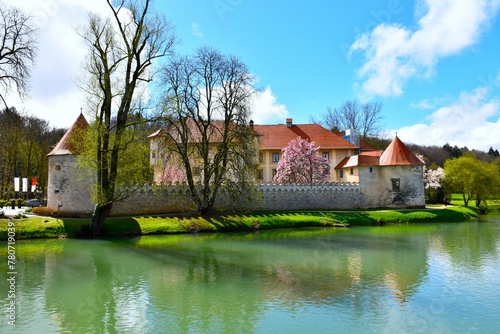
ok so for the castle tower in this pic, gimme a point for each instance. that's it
(401, 177)
(68, 192)
(392, 178)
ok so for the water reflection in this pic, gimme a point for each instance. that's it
(361, 279)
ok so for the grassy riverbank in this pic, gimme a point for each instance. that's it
(45, 227)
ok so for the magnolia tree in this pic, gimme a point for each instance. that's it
(301, 163)
(172, 174)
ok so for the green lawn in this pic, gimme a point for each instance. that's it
(492, 204)
(44, 227)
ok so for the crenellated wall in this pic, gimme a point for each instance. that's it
(151, 199)
(324, 196)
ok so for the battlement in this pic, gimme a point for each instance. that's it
(262, 186)
(303, 187)
(273, 196)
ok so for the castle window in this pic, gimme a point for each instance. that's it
(352, 171)
(261, 157)
(371, 169)
(341, 173)
(274, 173)
(276, 157)
(57, 167)
(396, 184)
(326, 155)
(260, 174)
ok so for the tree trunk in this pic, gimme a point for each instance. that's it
(101, 212)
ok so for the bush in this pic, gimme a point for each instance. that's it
(43, 211)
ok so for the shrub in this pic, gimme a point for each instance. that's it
(43, 211)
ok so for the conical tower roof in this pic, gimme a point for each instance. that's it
(66, 146)
(398, 154)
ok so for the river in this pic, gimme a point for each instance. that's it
(416, 278)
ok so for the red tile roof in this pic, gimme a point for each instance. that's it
(274, 137)
(397, 154)
(66, 144)
(370, 158)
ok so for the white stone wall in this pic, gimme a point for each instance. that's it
(410, 193)
(173, 198)
(68, 190)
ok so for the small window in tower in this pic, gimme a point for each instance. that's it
(57, 167)
(396, 184)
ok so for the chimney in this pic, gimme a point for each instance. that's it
(289, 123)
(251, 124)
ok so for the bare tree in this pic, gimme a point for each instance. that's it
(17, 50)
(122, 50)
(206, 116)
(366, 118)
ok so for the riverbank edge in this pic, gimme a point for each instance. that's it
(47, 227)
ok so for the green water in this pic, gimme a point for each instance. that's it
(440, 278)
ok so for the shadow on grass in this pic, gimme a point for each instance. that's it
(356, 218)
(113, 227)
(229, 225)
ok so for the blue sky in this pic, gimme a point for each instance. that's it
(434, 65)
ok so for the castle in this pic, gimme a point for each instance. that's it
(361, 177)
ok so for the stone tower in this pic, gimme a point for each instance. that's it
(68, 192)
(400, 178)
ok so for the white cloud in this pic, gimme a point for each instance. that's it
(422, 104)
(472, 120)
(394, 53)
(54, 94)
(195, 28)
(266, 109)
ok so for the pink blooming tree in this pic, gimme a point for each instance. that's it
(301, 163)
(172, 174)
